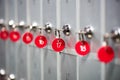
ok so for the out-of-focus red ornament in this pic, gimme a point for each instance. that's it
(105, 54)
(14, 36)
(4, 34)
(27, 37)
(58, 44)
(40, 41)
(82, 48)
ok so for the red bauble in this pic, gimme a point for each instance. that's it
(105, 54)
(14, 36)
(58, 44)
(27, 37)
(40, 41)
(4, 34)
(82, 48)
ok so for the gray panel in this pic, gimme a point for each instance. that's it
(22, 48)
(11, 9)
(11, 51)
(115, 74)
(113, 18)
(112, 14)
(21, 10)
(11, 62)
(89, 70)
(50, 65)
(90, 15)
(68, 16)
(2, 43)
(68, 67)
(35, 53)
(49, 15)
(2, 9)
(113, 22)
(35, 11)
(49, 11)
(22, 62)
(68, 13)
(110, 68)
(2, 54)
(35, 61)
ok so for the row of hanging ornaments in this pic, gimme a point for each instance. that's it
(82, 47)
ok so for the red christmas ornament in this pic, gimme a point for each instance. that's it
(27, 37)
(82, 48)
(105, 54)
(58, 44)
(40, 41)
(14, 36)
(4, 34)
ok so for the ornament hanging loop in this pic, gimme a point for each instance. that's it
(81, 35)
(57, 33)
(106, 39)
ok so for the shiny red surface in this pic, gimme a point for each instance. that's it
(27, 37)
(58, 44)
(82, 48)
(105, 54)
(40, 41)
(14, 36)
(4, 34)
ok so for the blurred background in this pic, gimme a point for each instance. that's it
(21, 61)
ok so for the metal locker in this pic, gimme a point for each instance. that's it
(35, 63)
(22, 48)
(11, 51)
(50, 65)
(68, 61)
(35, 53)
(68, 67)
(112, 23)
(28, 62)
(2, 43)
(90, 15)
